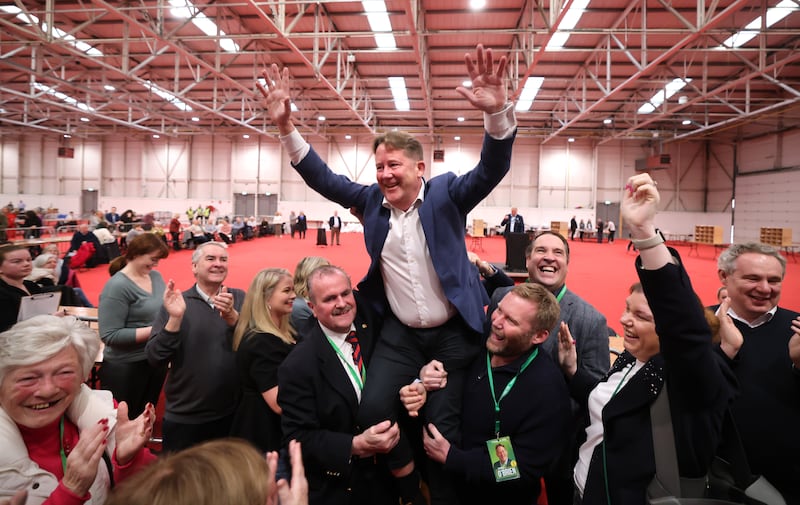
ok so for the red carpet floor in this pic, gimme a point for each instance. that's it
(600, 273)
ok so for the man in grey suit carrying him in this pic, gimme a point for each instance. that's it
(547, 261)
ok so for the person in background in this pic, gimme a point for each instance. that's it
(335, 224)
(581, 229)
(33, 223)
(292, 223)
(193, 333)
(302, 315)
(600, 228)
(15, 266)
(573, 227)
(229, 472)
(4, 225)
(513, 222)
(175, 231)
(238, 228)
(82, 235)
(667, 341)
(112, 216)
(302, 225)
(722, 294)
(77, 441)
(129, 303)
(612, 230)
(767, 364)
(45, 274)
(225, 231)
(262, 340)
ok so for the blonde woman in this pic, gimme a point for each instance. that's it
(301, 312)
(262, 339)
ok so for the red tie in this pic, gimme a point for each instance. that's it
(352, 339)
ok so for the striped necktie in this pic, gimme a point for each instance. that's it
(352, 339)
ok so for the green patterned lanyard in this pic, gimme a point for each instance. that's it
(507, 388)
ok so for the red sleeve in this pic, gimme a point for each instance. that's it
(143, 458)
(63, 496)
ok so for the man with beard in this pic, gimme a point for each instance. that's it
(514, 397)
(193, 331)
(547, 261)
(319, 391)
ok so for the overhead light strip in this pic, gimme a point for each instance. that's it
(773, 15)
(663, 95)
(186, 9)
(57, 32)
(529, 92)
(62, 96)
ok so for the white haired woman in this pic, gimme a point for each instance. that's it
(62, 442)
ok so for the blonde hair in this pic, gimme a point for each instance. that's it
(255, 314)
(303, 270)
(225, 471)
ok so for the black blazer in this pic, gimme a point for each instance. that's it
(320, 409)
(701, 389)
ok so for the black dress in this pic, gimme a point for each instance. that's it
(10, 300)
(257, 359)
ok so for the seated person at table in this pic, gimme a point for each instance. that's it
(72, 448)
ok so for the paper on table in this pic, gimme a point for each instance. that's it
(41, 303)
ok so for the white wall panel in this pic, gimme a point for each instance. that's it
(768, 199)
(9, 164)
(758, 154)
(790, 154)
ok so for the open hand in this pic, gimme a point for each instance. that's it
(567, 354)
(83, 460)
(132, 435)
(488, 92)
(731, 338)
(277, 97)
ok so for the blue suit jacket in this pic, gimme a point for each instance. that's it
(448, 199)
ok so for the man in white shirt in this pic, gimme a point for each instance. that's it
(420, 278)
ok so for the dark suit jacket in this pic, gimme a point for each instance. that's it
(519, 225)
(448, 199)
(701, 387)
(320, 409)
(335, 222)
(588, 328)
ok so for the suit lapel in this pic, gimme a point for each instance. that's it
(332, 369)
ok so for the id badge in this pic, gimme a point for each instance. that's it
(504, 462)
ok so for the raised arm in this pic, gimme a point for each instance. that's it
(277, 97)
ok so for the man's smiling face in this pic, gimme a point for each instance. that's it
(547, 263)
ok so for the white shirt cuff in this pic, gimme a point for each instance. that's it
(295, 145)
(501, 124)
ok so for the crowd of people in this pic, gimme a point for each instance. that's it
(434, 380)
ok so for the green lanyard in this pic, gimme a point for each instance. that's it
(560, 294)
(61, 443)
(507, 388)
(358, 377)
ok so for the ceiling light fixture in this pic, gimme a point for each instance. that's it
(663, 95)
(529, 92)
(186, 9)
(399, 93)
